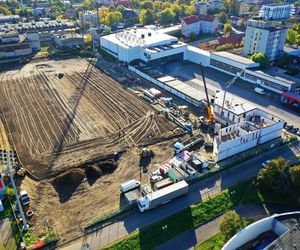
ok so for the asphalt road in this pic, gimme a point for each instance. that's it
(198, 192)
(190, 73)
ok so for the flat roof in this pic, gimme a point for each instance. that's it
(139, 37)
(237, 58)
(233, 103)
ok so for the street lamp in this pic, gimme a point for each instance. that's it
(164, 228)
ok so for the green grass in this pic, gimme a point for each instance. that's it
(215, 242)
(8, 212)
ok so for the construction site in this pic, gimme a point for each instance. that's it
(78, 133)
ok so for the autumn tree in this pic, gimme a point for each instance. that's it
(147, 17)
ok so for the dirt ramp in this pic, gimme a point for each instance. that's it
(67, 183)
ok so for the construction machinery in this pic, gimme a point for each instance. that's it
(211, 117)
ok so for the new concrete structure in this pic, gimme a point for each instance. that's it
(262, 36)
(245, 126)
(277, 11)
(279, 231)
(88, 18)
(69, 40)
(142, 43)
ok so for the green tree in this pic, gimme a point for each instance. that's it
(113, 18)
(295, 172)
(166, 5)
(193, 37)
(231, 6)
(147, 17)
(157, 5)
(223, 17)
(231, 224)
(227, 27)
(261, 58)
(275, 176)
(4, 10)
(291, 37)
(188, 10)
(285, 60)
(177, 10)
(89, 4)
(166, 16)
(146, 5)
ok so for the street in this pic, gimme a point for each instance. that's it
(198, 192)
(216, 80)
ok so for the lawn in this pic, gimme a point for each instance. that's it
(215, 242)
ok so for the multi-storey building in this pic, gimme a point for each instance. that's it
(201, 8)
(276, 11)
(262, 36)
(88, 17)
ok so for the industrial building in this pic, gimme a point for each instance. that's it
(142, 43)
(277, 11)
(69, 40)
(9, 19)
(88, 18)
(245, 126)
(264, 37)
(14, 45)
(279, 231)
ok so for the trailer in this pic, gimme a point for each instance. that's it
(162, 196)
(163, 183)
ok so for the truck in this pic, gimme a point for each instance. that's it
(129, 185)
(162, 196)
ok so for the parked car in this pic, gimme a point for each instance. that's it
(264, 164)
(260, 91)
(156, 178)
(298, 133)
(289, 127)
(295, 130)
(24, 198)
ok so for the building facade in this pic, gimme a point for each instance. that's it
(190, 25)
(88, 18)
(208, 24)
(201, 8)
(69, 40)
(261, 36)
(276, 11)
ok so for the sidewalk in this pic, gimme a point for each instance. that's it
(7, 240)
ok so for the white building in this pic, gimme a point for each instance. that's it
(279, 231)
(199, 24)
(216, 5)
(142, 43)
(245, 126)
(190, 25)
(88, 18)
(277, 11)
(264, 37)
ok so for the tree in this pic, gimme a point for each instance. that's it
(231, 224)
(166, 16)
(193, 37)
(147, 17)
(285, 60)
(157, 5)
(88, 40)
(146, 5)
(291, 37)
(275, 176)
(295, 172)
(166, 5)
(113, 18)
(231, 6)
(223, 17)
(261, 58)
(188, 10)
(227, 27)
(4, 10)
(177, 10)
(103, 11)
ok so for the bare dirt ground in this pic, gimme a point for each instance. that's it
(63, 127)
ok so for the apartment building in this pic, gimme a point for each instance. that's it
(277, 11)
(263, 36)
(88, 18)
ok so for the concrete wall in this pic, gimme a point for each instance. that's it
(162, 54)
(197, 55)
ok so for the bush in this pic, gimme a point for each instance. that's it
(225, 47)
(9, 192)
(193, 37)
(261, 58)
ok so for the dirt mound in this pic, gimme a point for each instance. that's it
(92, 171)
(70, 178)
(107, 167)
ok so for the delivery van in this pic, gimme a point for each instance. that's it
(260, 91)
(129, 185)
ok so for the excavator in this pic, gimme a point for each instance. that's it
(211, 117)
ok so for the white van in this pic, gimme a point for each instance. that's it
(260, 91)
(129, 185)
